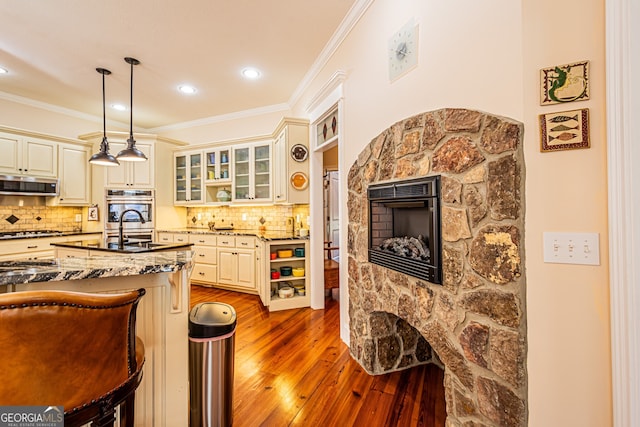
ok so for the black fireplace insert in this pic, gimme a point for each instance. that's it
(404, 227)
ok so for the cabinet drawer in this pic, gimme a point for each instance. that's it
(180, 238)
(203, 239)
(205, 255)
(165, 237)
(204, 273)
(227, 241)
(245, 242)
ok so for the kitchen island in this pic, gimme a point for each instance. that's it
(162, 316)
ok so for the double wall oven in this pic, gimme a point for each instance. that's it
(118, 201)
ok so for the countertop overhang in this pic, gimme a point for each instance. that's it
(93, 267)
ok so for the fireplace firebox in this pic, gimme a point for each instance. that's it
(404, 227)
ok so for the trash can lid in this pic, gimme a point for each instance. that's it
(211, 319)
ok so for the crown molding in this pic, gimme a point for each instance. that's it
(348, 23)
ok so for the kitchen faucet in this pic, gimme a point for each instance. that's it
(120, 234)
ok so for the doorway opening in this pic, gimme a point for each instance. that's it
(331, 232)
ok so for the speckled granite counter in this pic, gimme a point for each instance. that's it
(127, 248)
(263, 235)
(64, 269)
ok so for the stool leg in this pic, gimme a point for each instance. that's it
(127, 409)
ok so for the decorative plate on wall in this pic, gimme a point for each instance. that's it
(299, 181)
(299, 153)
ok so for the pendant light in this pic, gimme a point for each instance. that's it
(103, 158)
(131, 153)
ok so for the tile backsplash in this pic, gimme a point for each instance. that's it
(33, 218)
(249, 217)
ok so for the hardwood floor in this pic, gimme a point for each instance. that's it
(292, 369)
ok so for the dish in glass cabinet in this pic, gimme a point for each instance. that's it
(299, 153)
(299, 181)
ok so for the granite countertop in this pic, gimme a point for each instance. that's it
(112, 247)
(93, 267)
(263, 235)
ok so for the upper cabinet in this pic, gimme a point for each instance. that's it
(291, 163)
(25, 155)
(188, 168)
(75, 175)
(131, 174)
(252, 172)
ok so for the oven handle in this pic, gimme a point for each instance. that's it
(129, 200)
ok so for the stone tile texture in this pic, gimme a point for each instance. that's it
(474, 324)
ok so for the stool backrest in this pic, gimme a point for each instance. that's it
(67, 348)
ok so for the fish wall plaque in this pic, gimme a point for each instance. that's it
(565, 83)
(564, 130)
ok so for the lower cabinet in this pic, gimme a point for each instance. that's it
(38, 248)
(237, 263)
(205, 270)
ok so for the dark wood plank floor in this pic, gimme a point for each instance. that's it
(292, 369)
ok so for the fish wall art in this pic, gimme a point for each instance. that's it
(564, 83)
(564, 130)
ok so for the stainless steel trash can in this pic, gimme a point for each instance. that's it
(212, 327)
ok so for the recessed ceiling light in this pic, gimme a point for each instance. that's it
(3, 71)
(187, 89)
(119, 107)
(251, 73)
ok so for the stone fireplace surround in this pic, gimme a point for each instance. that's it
(474, 325)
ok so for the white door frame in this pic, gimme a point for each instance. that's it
(623, 153)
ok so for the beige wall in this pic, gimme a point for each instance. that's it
(486, 56)
(568, 305)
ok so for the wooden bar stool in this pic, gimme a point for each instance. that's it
(78, 350)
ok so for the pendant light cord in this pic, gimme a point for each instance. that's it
(104, 113)
(131, 103)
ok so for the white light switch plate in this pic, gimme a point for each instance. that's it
(572, 248)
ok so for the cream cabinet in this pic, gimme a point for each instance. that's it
(252, 172)
(26, 155)
(75, 175)
(188, 170)
(37, 248)
(205, 270)
(237, 263)
(290, 162)
(131, 174)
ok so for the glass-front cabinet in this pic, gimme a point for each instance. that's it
(218, 165)
(252, 172)
(188, 170)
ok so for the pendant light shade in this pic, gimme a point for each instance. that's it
(103, 158)
(131, 153)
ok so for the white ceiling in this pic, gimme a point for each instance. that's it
(52, 48)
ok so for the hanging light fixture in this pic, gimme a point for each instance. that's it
(103, 158)
(131, 153)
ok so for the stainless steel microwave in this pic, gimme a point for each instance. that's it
(28, 185)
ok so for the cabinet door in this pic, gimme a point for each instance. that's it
(180, 178)
(262, 172)
(227, 266)
(75, 183)
(11, 154)
(241, 174)
(116, 175)
(246, 270)
(142, 172)
(40, 157)
(195, 177)
(280, 168)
